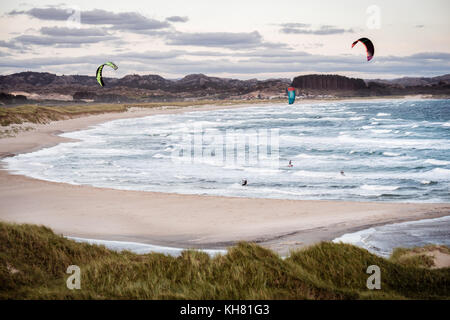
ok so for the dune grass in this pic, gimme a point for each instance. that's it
(45, 114)
(418, 257)
(33, 263)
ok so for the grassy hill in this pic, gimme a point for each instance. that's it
(45, 114)
(33, 263)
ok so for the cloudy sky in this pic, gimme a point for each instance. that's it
(234, 38)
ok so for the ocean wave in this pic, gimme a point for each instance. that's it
(379, 188)
(428, 182)
(376, 152)
(381, 130)
(437, 162)
(391, 154)
(142, 248)
(382, 240)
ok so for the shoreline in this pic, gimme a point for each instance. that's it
(176, 220)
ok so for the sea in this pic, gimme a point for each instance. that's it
(381, 150)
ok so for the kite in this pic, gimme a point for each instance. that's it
(291, 94)
(100, 69)
(369, 47)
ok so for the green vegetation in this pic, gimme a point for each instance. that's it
(418, 257)
(45, 114)
(33, 261)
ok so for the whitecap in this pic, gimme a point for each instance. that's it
(379, 187)
(437, 162)
(381, 131)
(391, 154)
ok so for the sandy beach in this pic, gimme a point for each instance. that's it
(187, 221)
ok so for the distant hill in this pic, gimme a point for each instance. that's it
(140, 88)
(328, 82)
(44, 86)
(416, 81)
(409, 85)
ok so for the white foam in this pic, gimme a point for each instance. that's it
(355, 238)
(437, 162)
(391, 154)
(319, 138)
(383, 239)
(142, 248)
(381, 130)
(378, 188)
(437, 173)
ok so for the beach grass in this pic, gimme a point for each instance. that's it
(44, 114)
(33, 263)
(418, 257)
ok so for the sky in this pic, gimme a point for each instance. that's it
(234, 38)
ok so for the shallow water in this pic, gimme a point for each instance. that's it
(397, 150)
(383, 239)
(143, 248)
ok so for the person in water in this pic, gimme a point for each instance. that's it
(290, 165)
(244, 182)
(342, 173)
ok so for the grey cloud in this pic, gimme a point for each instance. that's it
(65, 32)
(142, 57)
(125, 21)
(177, 19)
(150, 55)
(217, 39)
(228, 40)
(295, 25)
(422, 63)
(274, 45)
(60, 40)
(62, 37)
(299, 28)
(53, 14)
(9, 44)
(270, 53)
(431, 63)
(205, 53)
(424, 56)
(306, 64)
(122, 21)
